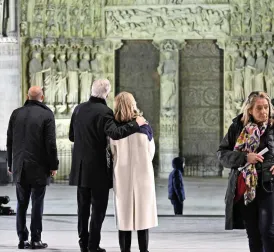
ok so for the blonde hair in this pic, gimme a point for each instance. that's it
(125, 107)
(250, 102)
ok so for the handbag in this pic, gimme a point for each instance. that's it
(240, 187)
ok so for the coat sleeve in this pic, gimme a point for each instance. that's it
(152, 148)
(118, 132)
(71, 129)
(178, 186)
(113, 151)
(226, 155)
(50, 142)
(9, 141)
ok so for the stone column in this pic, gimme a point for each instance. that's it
(169, 102)
(108, 65)
(12, 16)
(9, 84)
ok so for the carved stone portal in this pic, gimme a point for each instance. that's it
(66, 44)
(201, 109)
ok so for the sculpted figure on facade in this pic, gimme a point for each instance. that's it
(238, 77)
(167, 70)
(37, 16)
(85, 78)
(106, 50)
(50, 17)
(61, 83)
(236, 20)
(259, 71)
(267, 21)
(75, 24)
(269, 72)
(225, 25)
(96, 66)
(51, 31)
(249, 73)
(62, 20)
(23, 29)
(49, 68)
(38, 29)
(36, 70)
(247, 21)
(73, 80)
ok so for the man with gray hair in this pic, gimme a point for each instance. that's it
(32, 159)
(91, 123)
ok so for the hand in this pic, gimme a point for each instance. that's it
(272, 169)
(53, 173)
(141, 120)
(253, 158)
(9, 172)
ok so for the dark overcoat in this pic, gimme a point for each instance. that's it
(31, 143)
(91, 123)
(235, 159)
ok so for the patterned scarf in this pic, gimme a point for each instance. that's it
(249, 141)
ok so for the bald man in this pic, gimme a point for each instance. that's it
(32, 159)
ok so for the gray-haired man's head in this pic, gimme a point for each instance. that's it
(100, 88)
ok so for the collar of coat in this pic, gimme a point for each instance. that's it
(33, 102)
(97, 100)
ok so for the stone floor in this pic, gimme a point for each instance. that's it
(173, 234)
(204, 196)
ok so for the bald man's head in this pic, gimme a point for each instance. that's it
(36, 93)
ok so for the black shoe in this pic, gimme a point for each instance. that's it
(97, 250)
(38, 245)
(23, 245)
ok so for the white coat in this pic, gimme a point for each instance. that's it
(133, 182)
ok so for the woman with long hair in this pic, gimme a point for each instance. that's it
(133, 177)
(250, 193)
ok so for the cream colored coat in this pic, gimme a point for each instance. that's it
(133, 183)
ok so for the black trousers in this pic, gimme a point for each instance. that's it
(258, 217)
(99, 201)
(178, 206)
(37, 193)
(125, 240)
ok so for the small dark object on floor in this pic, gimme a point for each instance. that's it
(5, 210)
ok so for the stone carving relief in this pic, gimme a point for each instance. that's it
(61, 82)
(167, 69)
(85, 77)
(249, 72)
(146, 23)
(66, 69)
(162, 2)
(59, 18)
(49, 67)
(269, 72)
(68, 44)
(252, 70)
(259, 70)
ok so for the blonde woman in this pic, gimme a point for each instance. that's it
(250, 196)
(133, 182)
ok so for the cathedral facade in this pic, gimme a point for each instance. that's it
(189, 63)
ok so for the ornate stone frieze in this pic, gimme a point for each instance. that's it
(162, 2)
(54, 19)
(187, 21)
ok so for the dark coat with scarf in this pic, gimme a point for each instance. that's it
(91, 123)
(31, 143)
(234, 159)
